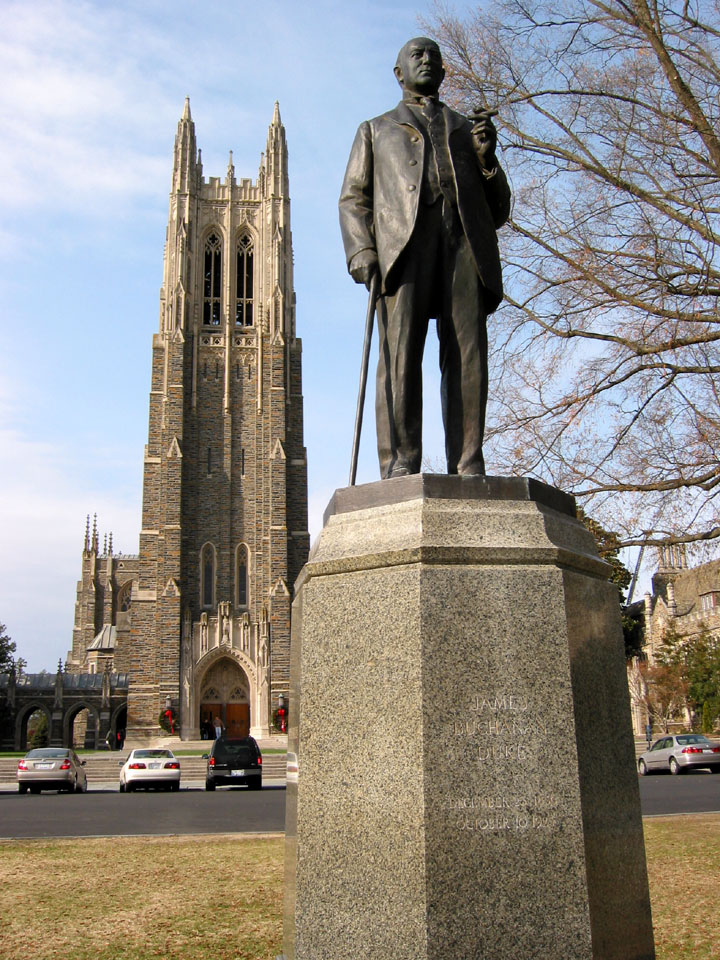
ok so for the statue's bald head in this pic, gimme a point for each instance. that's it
(419, 67)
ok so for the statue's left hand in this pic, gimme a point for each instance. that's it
(485, 137)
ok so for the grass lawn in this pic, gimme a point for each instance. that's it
(216, 898)
(684, 868)
(177, 898)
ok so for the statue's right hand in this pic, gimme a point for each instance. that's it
(363, 267)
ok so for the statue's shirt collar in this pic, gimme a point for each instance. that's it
(416, 100)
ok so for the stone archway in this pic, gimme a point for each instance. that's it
(118, 724)
(21, 721)
(85, 717)
(224, 691)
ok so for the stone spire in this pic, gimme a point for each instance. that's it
(59, 685)
(276, 157)
(185, 163)
(186, 178)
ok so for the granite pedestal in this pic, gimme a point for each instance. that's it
(465, 786)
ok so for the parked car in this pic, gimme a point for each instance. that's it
(150, 767)
(679, 753)
(234, 762)
(51, 768)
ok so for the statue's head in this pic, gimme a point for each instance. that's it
(419, 67)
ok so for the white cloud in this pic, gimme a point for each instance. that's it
(44, 497)
(78, 111)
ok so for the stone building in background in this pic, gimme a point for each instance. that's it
(684, 602)
(201, 616)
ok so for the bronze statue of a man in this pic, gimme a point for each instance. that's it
(422, 199)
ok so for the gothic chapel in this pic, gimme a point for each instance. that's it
(201, 616)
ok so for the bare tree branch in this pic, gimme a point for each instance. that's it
(605, 355)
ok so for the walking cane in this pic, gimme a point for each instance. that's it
(372, 300)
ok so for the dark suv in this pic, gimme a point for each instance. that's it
(234, 762)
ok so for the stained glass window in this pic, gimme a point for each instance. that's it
(207, 572)
(242, 576)
(212, 281)
(244, 295)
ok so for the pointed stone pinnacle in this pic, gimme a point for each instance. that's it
(186, 110)
(276, 115)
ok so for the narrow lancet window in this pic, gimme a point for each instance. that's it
(242, 575)
(244, 295)
(212, 290)
(207, 575)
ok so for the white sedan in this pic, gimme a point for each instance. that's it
(150, 767)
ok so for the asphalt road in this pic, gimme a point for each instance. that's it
(696, 791)
(105, 812)
(102, 813)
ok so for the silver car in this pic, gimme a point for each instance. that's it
(51, 768)
(679, 753)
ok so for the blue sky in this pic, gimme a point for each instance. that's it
(90, 96)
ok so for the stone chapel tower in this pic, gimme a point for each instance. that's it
(224, 523)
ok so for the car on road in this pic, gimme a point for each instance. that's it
(678, 753)
(150, 767)
(51, 768)
(233, 762)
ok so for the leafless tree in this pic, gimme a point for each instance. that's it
(604, 359)
(664, 691)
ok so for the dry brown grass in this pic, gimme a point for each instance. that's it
(683, 856)
(190, 898)
(217, 898)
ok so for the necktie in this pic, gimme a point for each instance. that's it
(429, 108)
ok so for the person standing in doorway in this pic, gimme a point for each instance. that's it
(219, 726)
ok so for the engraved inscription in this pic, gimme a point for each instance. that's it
(497, 729)
(505, 812)
(502, 751)
(503, 702)
(500, 727)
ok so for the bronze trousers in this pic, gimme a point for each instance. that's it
(436, 278)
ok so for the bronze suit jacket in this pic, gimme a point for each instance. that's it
(381, 193)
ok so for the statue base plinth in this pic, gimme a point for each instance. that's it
(465, 782)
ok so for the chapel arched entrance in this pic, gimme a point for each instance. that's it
(225, 692)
